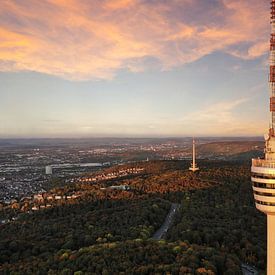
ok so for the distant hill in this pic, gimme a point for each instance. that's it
(247, 155)
(232, 149)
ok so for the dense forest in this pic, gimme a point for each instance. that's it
(223, 217)
(109, 231)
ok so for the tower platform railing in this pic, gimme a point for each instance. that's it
(263, 163)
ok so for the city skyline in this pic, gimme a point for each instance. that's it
(133, 68)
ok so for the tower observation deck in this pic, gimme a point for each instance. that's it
(263, 170)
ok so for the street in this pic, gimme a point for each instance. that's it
(167, 223)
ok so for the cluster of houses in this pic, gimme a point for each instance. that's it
(110, 176)
(46, 200)
(38, 201)
(49, 199)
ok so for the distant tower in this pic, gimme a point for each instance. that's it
(194, 167)
(263, 170)
(48, 170)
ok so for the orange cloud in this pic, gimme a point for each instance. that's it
(118, 4)
(81, 40)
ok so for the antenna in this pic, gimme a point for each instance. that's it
(194, 167)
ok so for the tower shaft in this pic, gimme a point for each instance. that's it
(194, 167)
(270, 244)
(194, 154)
(263, 170)
(272, 70)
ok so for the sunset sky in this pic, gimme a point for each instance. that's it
(85, 68)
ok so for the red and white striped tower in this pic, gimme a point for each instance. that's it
(272, 69)
(263, 170)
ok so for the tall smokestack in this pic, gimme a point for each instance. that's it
(263, 170)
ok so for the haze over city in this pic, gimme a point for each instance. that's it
(133, 68)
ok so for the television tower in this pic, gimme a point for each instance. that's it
(263, 170)
(194, 167)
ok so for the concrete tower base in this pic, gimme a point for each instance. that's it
(270, 244)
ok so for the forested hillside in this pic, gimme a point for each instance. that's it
(109, 231)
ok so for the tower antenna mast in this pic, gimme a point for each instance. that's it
(194, 166)
(263, 170)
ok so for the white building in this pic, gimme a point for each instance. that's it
(48, 170)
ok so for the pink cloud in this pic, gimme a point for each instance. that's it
(81, 40)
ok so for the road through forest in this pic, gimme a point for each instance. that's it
(159, 234)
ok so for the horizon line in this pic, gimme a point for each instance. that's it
(135, 137)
